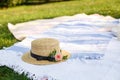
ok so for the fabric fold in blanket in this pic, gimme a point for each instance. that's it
(22, 30)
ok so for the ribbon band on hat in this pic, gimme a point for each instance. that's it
(38, 57)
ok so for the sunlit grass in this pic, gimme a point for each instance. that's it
(51, 10)
(8, 74)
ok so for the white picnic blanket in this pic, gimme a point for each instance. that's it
(94, 53)
(22, 30)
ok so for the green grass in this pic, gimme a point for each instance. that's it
(6, 72)
(51, 10)
(26, 13)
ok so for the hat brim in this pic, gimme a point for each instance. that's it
(27, 58)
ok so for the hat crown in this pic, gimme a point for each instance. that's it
(45, 46)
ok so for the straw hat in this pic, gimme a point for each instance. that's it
(45, 51)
